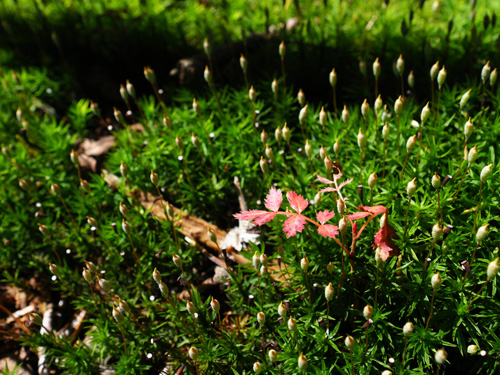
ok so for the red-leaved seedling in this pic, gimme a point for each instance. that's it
(296, 220)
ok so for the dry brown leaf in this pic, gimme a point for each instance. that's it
(88, 162)
(194, 228)
(98, 147)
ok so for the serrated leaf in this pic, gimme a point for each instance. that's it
(344, 183)
(324, 216)
(274, 199)
(328, 230)
(327, 190)
(297, 202)
(358, 215)
(324, 180)
(259, 217)
(375, 210)
(294, 224)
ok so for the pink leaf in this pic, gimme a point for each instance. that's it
(354, 228)
(259, 217)
(375, 210)
(294, 224)
(328, 230)
(324, 180)
(384, 251)
(358, 215)
(344, 183)
(274, 199)
(297, 202)
(324, 216)
(328, 189)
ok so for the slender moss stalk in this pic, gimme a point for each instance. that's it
(346, 139)
(477, 295)
(406, 217)
(432, 309)
(473, 255)
(397, 136)
(404, 350)
(170, 219)
(132, 246)
(276, 103)
(308, 289)
(437, 110)
(342, 263)
(402, 85)
(421, 141)
(366, 336)
(439, 208)
(328, 315)
(428, 255)
(478, 204)
(283, 72)
(197, 109)
(67, 209)
(198, 329)
(458, 130)
(53, 248)
(461, 160)
(460, 184)
(383, 158)
(263, 341)
(260, 288)
(86, 187)
(404, 165)
(361, 167)
(141, 112)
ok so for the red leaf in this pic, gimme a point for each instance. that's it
(324, 180)
(297, 202)
(383, 239)
(274, 199)
(358, 215)
(259, 217)
(328, 230)
(375, 210)
(354, 228)
(294, 224)
(324, 216)
(381, 236)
